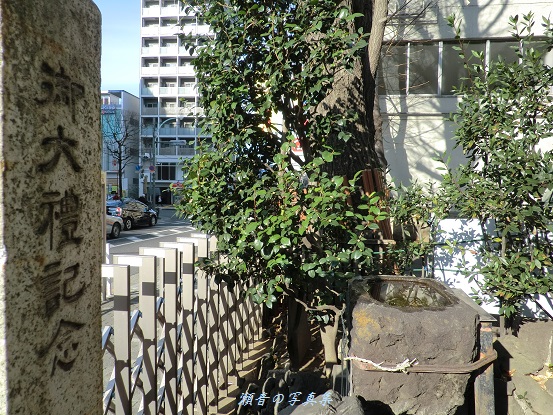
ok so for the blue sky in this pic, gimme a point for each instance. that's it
(120, 44)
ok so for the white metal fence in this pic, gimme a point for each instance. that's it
(191, 334)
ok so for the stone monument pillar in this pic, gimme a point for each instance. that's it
(51, 210)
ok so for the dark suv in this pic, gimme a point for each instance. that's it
(132, 212)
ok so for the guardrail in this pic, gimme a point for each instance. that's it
(189, 335)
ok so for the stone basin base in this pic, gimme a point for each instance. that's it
(399, 318)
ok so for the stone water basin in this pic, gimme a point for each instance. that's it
(394, 319)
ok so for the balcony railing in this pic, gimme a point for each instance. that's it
(148, 130)
(168, 70)
(187, 90)
(187, 70)
(171, 10)
(149, 111)
(150, 90)
(186, 151)
(188, 131)
(149, 31)
(168, 90)
(169, 50)
(173, 131)
(150, 50)
(183, 51)
(152, 11)
(149, 70)
(168, 131)
(169, 30)
(174, 111)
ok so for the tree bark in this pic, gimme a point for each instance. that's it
(355, 90)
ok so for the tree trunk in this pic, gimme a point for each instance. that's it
(329, 333)
(355, 90)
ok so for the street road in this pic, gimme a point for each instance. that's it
(168, 228)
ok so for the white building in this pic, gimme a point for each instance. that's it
(120, 115)
(420, 67)
(169, 107)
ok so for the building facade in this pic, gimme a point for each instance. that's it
(420, 67)
(120, 129)
(419, 70)
(169, 104)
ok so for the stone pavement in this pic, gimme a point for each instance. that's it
(523, 375)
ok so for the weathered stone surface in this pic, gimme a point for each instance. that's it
(442, 335)
(51, 209)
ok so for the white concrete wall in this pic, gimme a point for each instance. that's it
(458, 242)
(480, 18)
(415, 127)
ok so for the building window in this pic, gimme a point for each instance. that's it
(435, 68)
(166, 171)
(504, 50)
(423, 68)
(392, 75)
(454, 73)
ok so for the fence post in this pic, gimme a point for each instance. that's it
(230, 375)
(239, 327)
(121, 277)
(201, 342)
(107, 283)
(202, 241)
(147, 273)
(170, 280)
(187, 318)
(224, 337)
(213, 345)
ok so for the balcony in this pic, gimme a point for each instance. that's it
(184, 52)
(150, 50)
(150, 91)
(169, 111)
(171, 10)
(168, 70)
(190, 29)
(149, 31)
(149, 110)
(148, 130)
(186, 150)
(203, 29)
(187, 70)
(167, 131)
(152, 11)
(187, 131)
(169, 50)
(171, 30)
(176, 148)
(187, 90)
(168, 90)
(149, 70)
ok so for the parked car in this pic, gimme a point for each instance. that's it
(133, 212)
(114, 224)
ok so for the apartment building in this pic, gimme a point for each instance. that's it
(120, 124)
(169, 105)
(420, 67)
